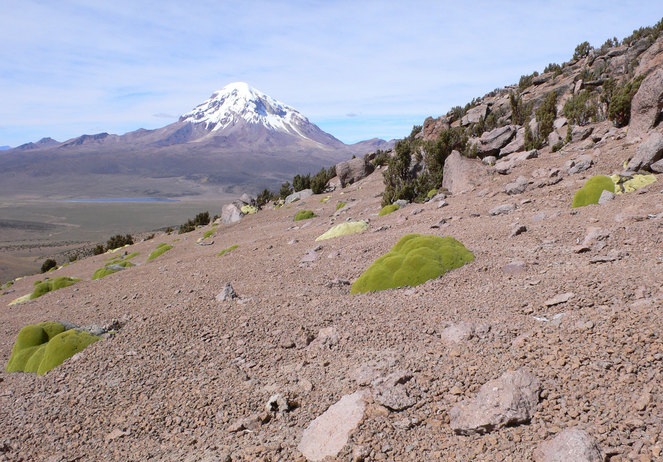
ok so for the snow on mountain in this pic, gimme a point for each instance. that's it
(238, 103)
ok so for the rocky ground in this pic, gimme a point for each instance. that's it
(568, 298)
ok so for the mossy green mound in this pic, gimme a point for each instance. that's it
(229, 249)
(340, 205)
(41, 347)
(351, 227)
(208, 234)
(105, 271)
(325, 199)
(629, 184)
(249, 209)
(161, 249)
(304, 215)
(50, 285)
(592, 190)
(431, 193)
(387, 209)
(415, 259)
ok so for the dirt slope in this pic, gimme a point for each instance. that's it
(185, 369)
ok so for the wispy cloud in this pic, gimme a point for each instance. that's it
(70, 67)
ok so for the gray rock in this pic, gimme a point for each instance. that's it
(581, 164)
(502, 209)
(489, 160)
(474, 115)
(572, 444)
(518, 230)
(402, 203)
(606, 196)
(647, 153)
(558, 299)
(517, 187)
(246, 199)
(391, 392)
(299, 195)
(510, 400)
(457, 332)
(657, 167)
(579, 133)
(115, 267)
(647, 105)
(329, 432)
(277, 404)
(553, 139)
(516, 145)
(491, 142)
(231, 213)
(504, 166)
(353, 170)
(227, 294)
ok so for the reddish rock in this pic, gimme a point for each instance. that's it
(647, 105)
(572, 444)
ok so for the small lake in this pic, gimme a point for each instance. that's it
(124, 199)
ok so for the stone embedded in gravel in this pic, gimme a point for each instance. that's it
(502, 209)
(572, 444)
(606, 196)
(509, 400)
(515, 267)
(327, 338)
(581, 164)
(458, 332)
(251, 423)
(227, 294)
(326, 435)
(517, 187)
(391, 392)
(338, 283)
(559, 299)
(518, 230)
(277, 404)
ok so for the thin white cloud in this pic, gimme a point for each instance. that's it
(74, 65)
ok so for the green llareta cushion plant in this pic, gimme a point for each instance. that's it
(351, 227)
(208, 234)
(41, 347)
(229, 249)
(591, 192)
(161, 249)
(415, 259)
(50, 285)
(431, 193)
(387, 209)
(304, 215)
(340, 205)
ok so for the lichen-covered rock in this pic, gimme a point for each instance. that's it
(412, 261)
(630, 183)
(41, 347)
(591, 192)
(248, 209)
(298, 196)
(509, 400)
(351, 227)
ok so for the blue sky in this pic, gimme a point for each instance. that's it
(358, 69)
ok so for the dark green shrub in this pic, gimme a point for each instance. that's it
(300, 182)
(526, 80)
(553, 67)
(546, 114)
(320, 179)
(73, 257)
(396, 175)
(265, 197)
(118, 241)
(582, 108)
(619, 102)
(201, 219)
(582, 50)
(520, 111)
(285, 190)
(532, 140)
(48, 265)
(98, 250)
(381, 158)
(169, 230)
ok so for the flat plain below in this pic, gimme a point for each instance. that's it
(33, 230)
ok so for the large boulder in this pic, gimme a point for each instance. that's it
(517, 144)
(647, 105)
(571, 444)
(474, 115)
(461, 173)
(509, 400)
(231, 213)
(433, 127)
(491, 142)
(298, 196)
(647, 153)
(353, 170)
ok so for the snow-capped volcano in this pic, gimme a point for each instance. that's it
(238, 102)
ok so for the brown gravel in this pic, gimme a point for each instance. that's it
(185, 369)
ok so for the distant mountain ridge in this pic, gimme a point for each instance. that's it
(238, 138)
